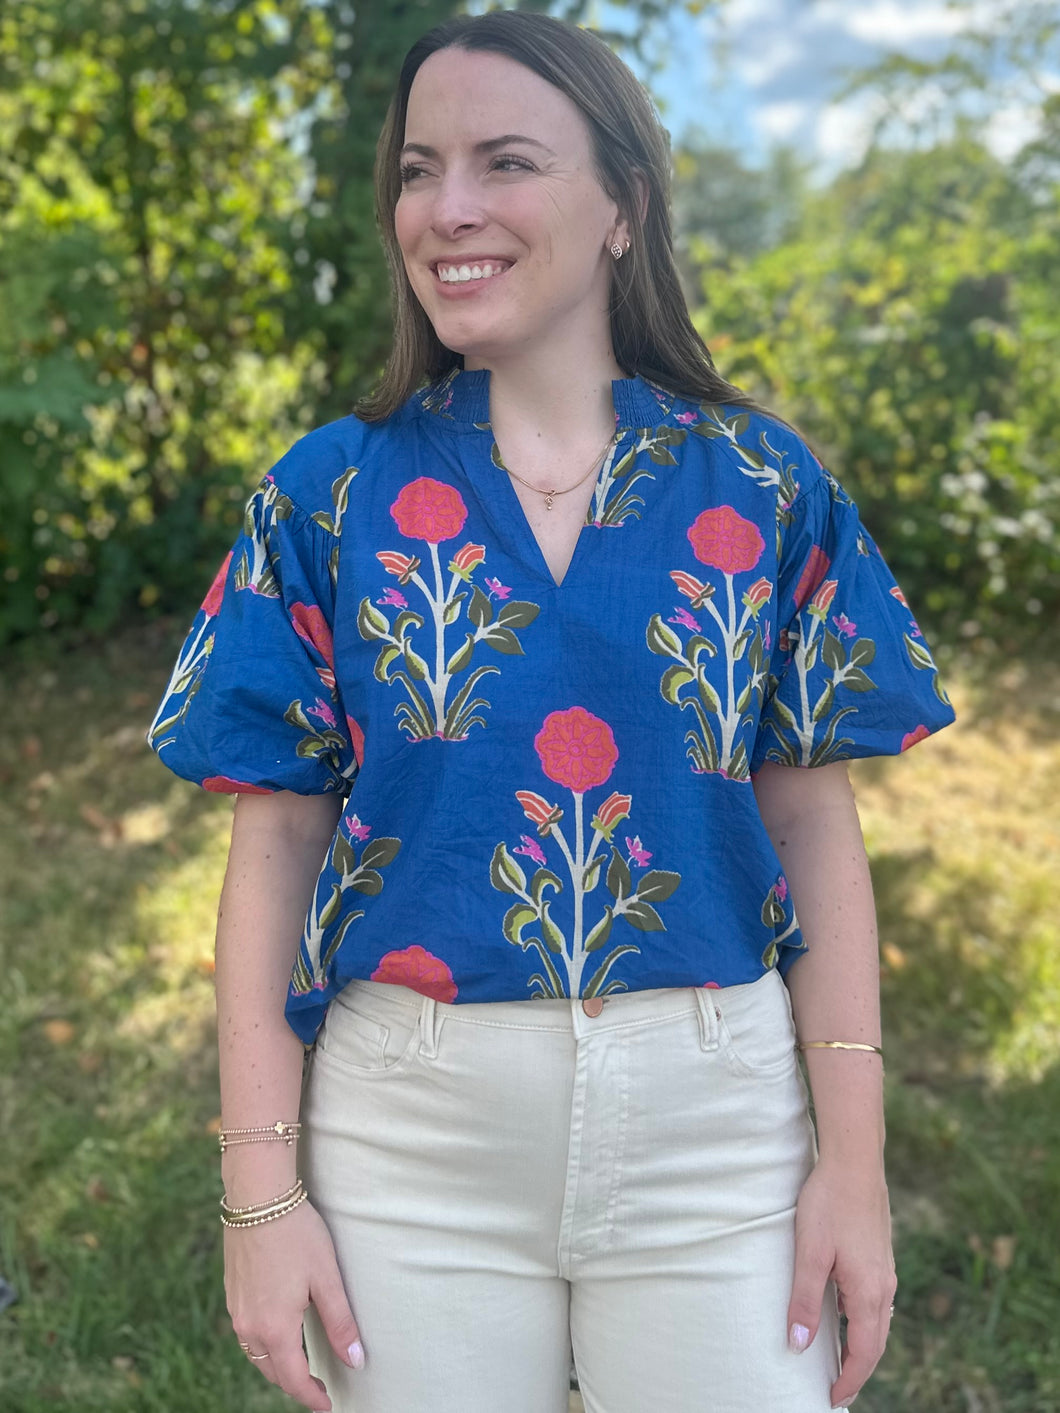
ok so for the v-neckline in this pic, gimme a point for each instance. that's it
(532, 544)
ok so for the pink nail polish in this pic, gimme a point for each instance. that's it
(798, 1338)
(356, 1353)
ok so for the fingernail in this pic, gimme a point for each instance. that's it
(356, 1353)
(798, 1338)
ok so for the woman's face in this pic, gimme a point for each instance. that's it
(498, 173)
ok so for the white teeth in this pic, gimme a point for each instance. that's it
(460, 274)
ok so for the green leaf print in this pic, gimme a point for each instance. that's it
(387, 654)
(462, 656)
(619, 881)
(516, 918)
(602, 931)
(656, 885)
(505, 873)
(366, 880)
(517, 614)
(673, 679)
(663, 641)
(863, 652)
(480, 609)
(377, 853)
(554, 938)
(542, 879)
(370, 622)
(643, 917)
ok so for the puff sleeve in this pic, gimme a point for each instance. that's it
(252, 705)
(850, 673)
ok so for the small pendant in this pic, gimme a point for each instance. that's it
(548, 499)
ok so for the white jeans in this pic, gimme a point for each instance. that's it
(506, 1182)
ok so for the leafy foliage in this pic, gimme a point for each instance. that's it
(907, 328)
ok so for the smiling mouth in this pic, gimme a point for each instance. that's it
(463, 274)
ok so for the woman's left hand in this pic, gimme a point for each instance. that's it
(843, 1233)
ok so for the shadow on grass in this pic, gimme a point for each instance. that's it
(973, 1154)
(109, 1174)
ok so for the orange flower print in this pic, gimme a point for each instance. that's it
(822, 599)
(403, 565)
(896, 593)
(211, 604)
(537, 808)
(356, 739)
(222, 785)
(467, 559)
(613, 810)
(813, 571)
(420, 971)
(758, 594)
(576, 749)
(723, 539)
(919, 733)
(691, 587)
(429, 510)
(312, 627)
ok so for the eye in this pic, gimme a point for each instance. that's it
(409, 172)
(507, 161)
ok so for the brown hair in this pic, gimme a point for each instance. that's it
(651, 331)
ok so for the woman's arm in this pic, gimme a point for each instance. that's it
(843, 1222)
(274, 1270)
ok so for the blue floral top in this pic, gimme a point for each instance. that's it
(548, 786)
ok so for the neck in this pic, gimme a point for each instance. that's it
(565, 401)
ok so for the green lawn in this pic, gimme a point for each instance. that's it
(109, 874)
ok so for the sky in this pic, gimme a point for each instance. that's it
(756, 72)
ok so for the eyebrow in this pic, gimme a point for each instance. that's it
(491, 144)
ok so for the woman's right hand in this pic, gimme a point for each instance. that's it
(272, 1272)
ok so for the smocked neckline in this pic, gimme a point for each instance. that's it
(462, 397)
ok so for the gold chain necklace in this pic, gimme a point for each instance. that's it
(549, 494)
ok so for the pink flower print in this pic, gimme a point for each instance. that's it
(429, 510)
(531, 848)
(394, 598)
(576, 749)
(211, 604)
(813, 571)
(496, 587)
(313, 628)
(780, 888)
(687, 418)
(920, 733)
(321, 711)
(685, 619)
(638, 854)
(356, 828)
(844, 625)
(222, 785)
(402, 565)
(914, 629)
(767, 636)
(723, 539)
(420, 971)
(327, 677)
(356, 740)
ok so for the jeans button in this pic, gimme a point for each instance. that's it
(593, 1006)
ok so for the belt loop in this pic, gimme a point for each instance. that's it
(429, 1028)
(708, 1018)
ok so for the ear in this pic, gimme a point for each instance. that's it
(622, 231)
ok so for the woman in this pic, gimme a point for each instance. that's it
(578, 593)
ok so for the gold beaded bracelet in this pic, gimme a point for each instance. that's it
(838, 1045)
(279, 1132)
(268, 1211)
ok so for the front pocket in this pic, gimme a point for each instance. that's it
(756, 1031)
(369, 1039)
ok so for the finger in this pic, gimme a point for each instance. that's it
(865, 1341)
(812, 1270)
(292, 1374)
(329, 1296)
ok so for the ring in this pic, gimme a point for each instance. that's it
(257, 1356)
(244, 1347)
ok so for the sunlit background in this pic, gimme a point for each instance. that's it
(867, 227)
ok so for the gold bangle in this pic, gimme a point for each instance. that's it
(259, 1218)
(279, 1132)
(257, 1207)
(838, 1045)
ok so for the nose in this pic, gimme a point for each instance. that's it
(457, 206)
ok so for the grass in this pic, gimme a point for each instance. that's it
(109, 874)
